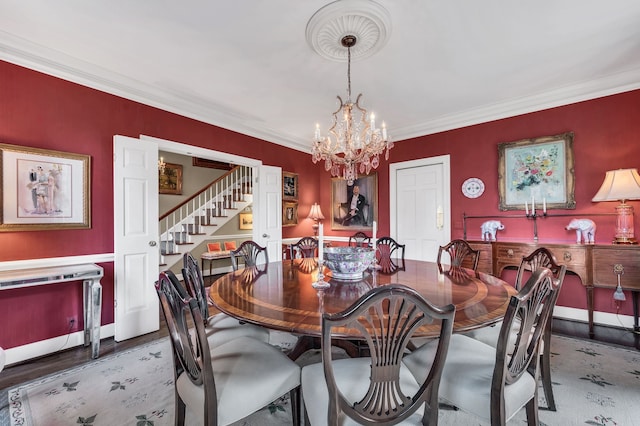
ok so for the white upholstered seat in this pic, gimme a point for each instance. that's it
(224, 383)
(494, 383)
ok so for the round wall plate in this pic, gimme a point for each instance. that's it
(472, 188)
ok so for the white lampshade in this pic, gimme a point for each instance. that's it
(315, 213)
(619, 185)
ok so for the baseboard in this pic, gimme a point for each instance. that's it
(610, 334)
(600, 318)
(53, 345)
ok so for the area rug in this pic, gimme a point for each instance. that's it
(594, 384)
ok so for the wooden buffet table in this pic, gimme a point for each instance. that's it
(281, 297)
(593, 263)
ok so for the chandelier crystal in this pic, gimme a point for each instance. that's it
(353, 144)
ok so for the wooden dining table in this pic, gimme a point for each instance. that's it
(280, 295)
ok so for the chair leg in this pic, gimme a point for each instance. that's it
(180, 411)
(532, 411)
(545, 368)
(295, 406)
(546, 380)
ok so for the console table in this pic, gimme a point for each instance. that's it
(593, 263)
(89, 274)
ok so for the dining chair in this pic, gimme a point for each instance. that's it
(389, 255)
(219, 327)
(541, 257)
(359, 239)
(461, 254)
(377, 389)
(251, 253)
(224, 383)
(305, 249)
(494, 383)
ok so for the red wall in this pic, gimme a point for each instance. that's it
(606, 136)
(41, 111)
(45, 112)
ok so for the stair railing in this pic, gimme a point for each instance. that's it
(212, 201)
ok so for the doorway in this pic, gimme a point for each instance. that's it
(135, 305)
(420, 205)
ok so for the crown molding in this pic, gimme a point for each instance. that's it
(588, 90)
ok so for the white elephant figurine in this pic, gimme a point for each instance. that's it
(489, 229)
(585, 230)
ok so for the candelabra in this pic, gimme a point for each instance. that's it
(533, 215)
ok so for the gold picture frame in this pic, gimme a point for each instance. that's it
(170, 179)
(289, 186)
(246, 220)
(41, 189)
(541, 168)
(341, 195)
(289, 213)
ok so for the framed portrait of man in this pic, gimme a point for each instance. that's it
(354, 206)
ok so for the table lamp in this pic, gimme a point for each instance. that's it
(316, 215)
(621, 185)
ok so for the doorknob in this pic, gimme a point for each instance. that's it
(265, 235)
(152, 243)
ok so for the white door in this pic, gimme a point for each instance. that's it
(137, 255)
(268, 192)
(420, 206)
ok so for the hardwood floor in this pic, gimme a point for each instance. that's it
(38, 367)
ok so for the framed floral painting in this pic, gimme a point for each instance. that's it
(539, 169)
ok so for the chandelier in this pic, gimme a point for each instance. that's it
(161, 165)
(353, 144)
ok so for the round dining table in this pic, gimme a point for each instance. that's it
(280, 295)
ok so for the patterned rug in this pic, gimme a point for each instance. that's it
(594, 384)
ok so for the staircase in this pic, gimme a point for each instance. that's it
(196, 219)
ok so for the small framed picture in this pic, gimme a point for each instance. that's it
(170, 179)
(246, 220)
(289, 186)
(289, 213)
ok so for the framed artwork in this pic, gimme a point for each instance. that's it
(170, 179)
(42, 189)
(289, 186)
(289, 213)
(246, 220)
(354, 207)
(539, 169)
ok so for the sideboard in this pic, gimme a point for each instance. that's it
(593, 263)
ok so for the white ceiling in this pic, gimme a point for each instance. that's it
(245, 65)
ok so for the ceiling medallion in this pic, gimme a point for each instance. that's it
(366, 20)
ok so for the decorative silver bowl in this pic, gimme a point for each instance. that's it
(348, 263)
